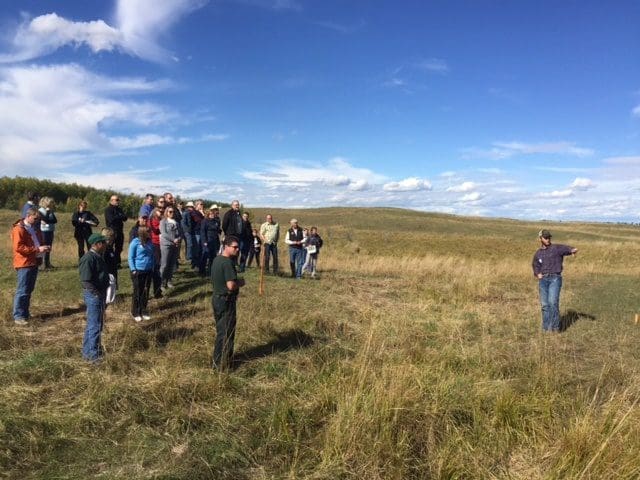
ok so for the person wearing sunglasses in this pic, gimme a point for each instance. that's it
(169, 247)
(226, 286)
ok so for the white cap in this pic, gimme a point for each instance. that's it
(189, 204)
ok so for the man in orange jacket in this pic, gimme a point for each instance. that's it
(27, 253)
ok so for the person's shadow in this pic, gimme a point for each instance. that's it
(571, 316)
(289, 340)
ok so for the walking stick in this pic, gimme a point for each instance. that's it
(261, 285)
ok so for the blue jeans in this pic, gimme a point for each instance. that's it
(296, 260)
(26, 283)
(270, 249)
(91, 347)
(196, 250)
(549, 287)
(188, 245)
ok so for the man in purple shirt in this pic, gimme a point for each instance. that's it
(547, 268)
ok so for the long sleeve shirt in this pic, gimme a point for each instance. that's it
(549, 260)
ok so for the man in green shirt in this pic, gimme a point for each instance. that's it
(226, 286)
(95, 281)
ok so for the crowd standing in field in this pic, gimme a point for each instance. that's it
(215, 247)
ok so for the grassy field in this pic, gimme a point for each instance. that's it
(418, 354)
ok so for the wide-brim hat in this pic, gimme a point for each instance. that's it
(293, 220)
(214, 207)
(189, 204)
(95, 238)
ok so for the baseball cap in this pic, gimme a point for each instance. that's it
(544, 233)
(95, 238)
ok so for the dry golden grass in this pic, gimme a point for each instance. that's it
(418, 354)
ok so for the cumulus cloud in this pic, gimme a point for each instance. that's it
(139, 26)
(410, 184)
(54, 112)
(463, 187)
(337, 172)
(359, 185)
(471, 197)
(505, 150)
(581, 183)
(562, 193)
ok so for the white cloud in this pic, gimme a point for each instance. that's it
(337, 172)
(410, 184)
(636, 111)
(56, 112)
(46, 33)
(471, 197)
(359, 186)
(504, 150)
(434, 65)
(561, 193)
(463, 187)
(581, 183)
(139, 25)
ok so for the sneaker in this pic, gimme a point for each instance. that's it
(21, 321)
(137, 318)
(146, 317)
(169, 285)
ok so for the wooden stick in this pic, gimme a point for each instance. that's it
(637, 317)
(261, 285)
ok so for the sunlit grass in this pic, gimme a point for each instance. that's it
(418, 354)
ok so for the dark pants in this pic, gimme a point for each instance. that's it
(157, 279)
(270, 250)
(47, 238)
(118, 242)
(224, 313)
(141, 282)
(196, 250)
(82, 241)
(253, 253)
(245, 246)
(208, 254)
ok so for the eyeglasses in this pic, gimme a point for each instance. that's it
(169, 211)
(234, 246)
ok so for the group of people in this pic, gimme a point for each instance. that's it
(216, 247)
(220, 248)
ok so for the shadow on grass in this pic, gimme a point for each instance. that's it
(289, 340)
(166, 335)
(45, 317)
(571, 317)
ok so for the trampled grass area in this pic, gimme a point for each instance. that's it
(418, 354)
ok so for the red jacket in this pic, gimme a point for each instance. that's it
(25, 252)
(154, 229)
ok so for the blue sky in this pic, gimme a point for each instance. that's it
(495, 108)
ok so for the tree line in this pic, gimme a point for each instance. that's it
(14, 191)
